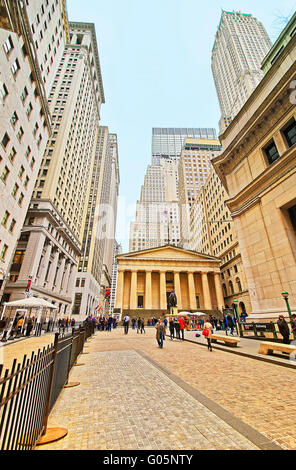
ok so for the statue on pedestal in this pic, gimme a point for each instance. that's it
(172, 302)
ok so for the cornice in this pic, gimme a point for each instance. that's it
(252, 194)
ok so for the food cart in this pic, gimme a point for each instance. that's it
(193, 321)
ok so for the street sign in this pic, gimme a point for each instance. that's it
(259, 326)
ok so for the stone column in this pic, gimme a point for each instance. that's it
(148, 291)
(44, 265)
(191, 288)
(65, 280)
(71, 282)
(219, 291)
(32, 256)
(134, 291)
(52, 271)
(162, 286)
(177, 288)
(120, 289)
(206, 291)
(60, 274)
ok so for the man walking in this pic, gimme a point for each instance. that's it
(160, 333)
(177, 328)
(172, 328)
(182, 327)
(284, 329)
(126, 322)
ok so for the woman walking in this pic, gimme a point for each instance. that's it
(207, 333)
(160, 333)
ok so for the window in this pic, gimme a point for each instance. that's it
(3, 91)
(5, 218)
(15, 190)
(15, 67)
(5, 174)
(14, 118)
(20, 201)
(3, 252)
(5, 140)
(29, 109)
(271, 152)
(12, 154)
(290, 134)
(20, 133)
(12, 225)
(8, 45)
(24, 94)
(21, 172)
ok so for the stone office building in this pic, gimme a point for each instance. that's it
(146, 278)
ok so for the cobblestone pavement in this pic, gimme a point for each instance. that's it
(124, 402)
(17, 349)
(258, 393)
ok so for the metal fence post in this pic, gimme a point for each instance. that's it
(52, 434)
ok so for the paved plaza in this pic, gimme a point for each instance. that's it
(133, 395)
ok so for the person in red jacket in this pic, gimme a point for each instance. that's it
(182, 326)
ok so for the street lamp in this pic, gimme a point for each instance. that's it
(285, 295)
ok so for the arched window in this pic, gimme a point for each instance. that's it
(231, 287)
(224, 290)
(238, 284)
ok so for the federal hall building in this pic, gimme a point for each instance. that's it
(146, 279)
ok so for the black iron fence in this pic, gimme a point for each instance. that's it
(29, 390)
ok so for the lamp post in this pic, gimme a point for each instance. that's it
(285, 295)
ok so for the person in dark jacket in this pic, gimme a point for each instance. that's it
(284, 329)
(177, 328)
(172, 328)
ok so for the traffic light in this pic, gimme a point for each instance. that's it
(107, 293)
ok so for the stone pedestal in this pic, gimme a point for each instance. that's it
(173, 310)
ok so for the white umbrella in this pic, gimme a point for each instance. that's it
(183, 313)
(199, 314)
(31, 302)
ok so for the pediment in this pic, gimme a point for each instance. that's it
(168, 252)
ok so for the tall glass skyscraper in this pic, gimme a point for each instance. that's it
(168, 142)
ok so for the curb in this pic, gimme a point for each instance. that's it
(244, 354)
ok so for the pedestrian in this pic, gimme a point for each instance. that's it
(126, 322)
(182, 327)
(139, 323)
(134, 323)
(172, 328)
(177, 328)
(160, 333)
(165, 321)
(243, 316)
(110, 322)
(143, 326)
(207, 333)
(29, 327)
(284, 329)
(230, 324)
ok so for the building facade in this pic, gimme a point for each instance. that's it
(95, 265)
(212, 231)
(240, 46)
(146, 279)
(32, 38)
(257, 169)
(117, 251)
(51, 238)
(194, 169)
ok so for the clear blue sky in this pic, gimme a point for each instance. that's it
(155, 57)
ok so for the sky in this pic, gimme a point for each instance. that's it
(155, 58)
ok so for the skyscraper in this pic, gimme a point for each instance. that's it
(168, 142)
(194, 169)
(157, 217)
(50, 243)
(96, 261)
(239, 49)
(32, 38)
